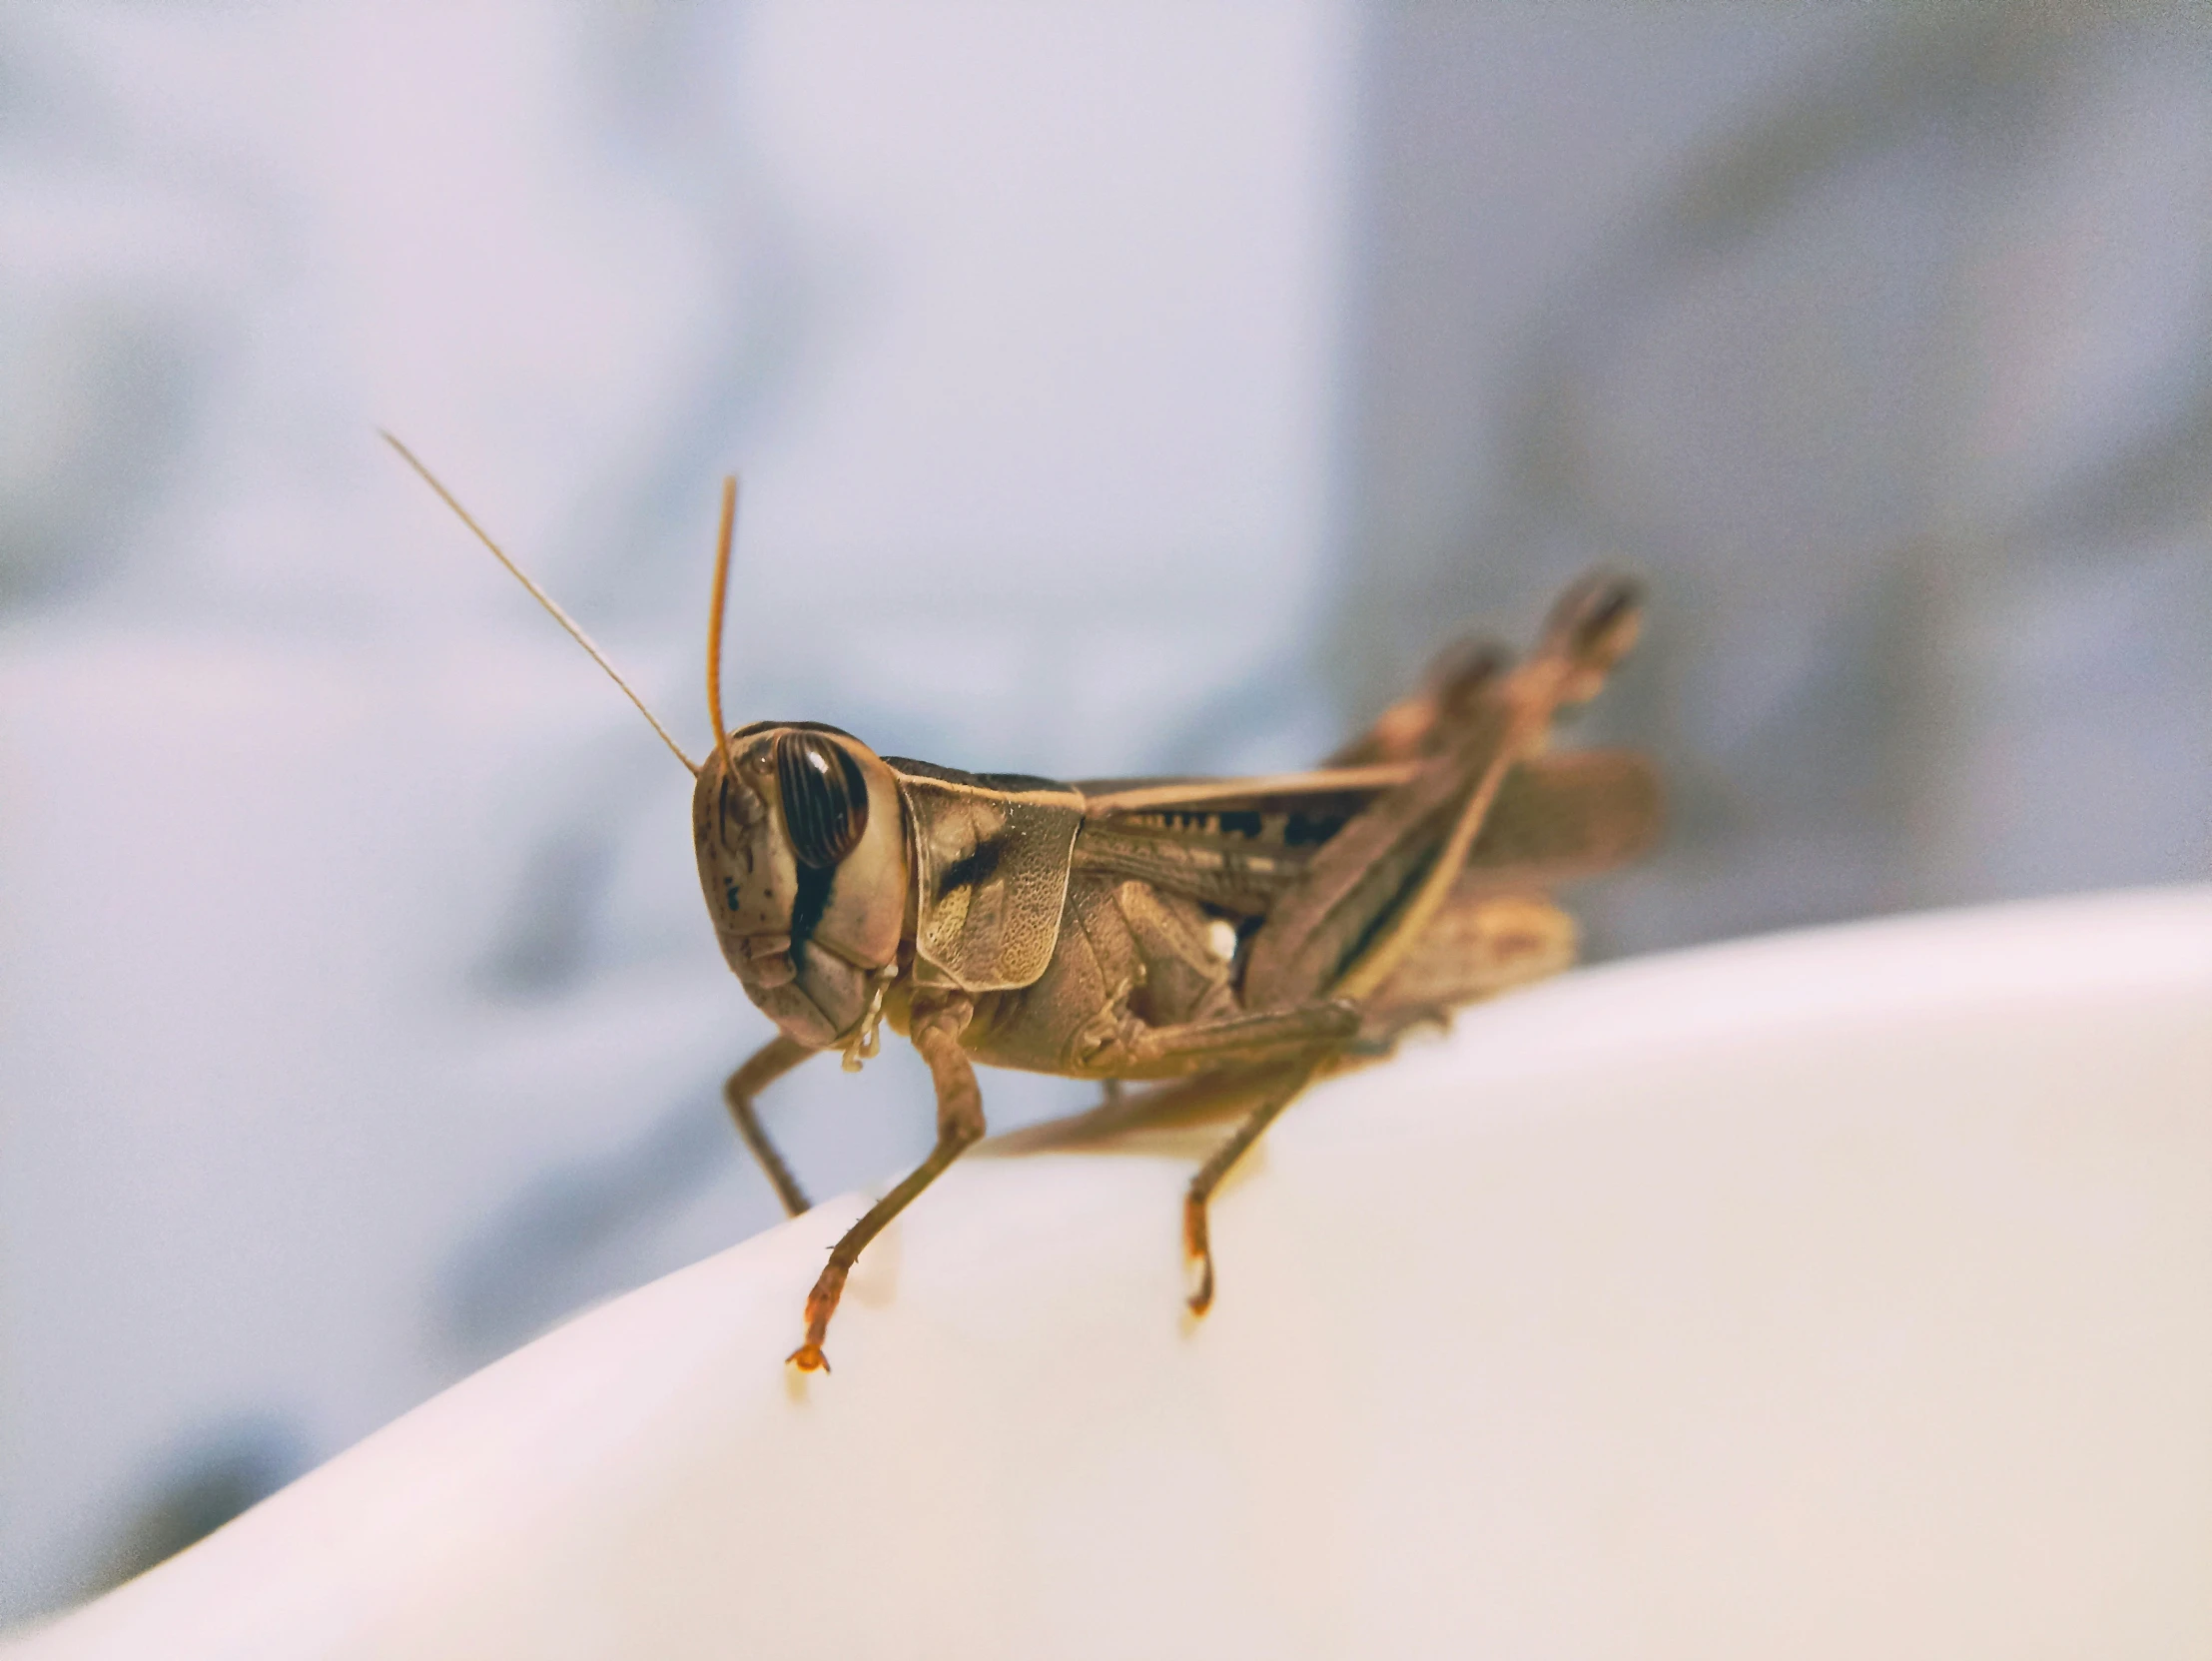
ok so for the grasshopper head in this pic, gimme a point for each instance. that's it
(803, 860)
(801, 833)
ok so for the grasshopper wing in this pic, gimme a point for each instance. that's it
(1237, 843)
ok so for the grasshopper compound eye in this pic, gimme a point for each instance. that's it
(825, 797)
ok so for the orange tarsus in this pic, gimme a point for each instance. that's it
(1198, 1253)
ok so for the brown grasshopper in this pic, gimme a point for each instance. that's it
(1237, 936)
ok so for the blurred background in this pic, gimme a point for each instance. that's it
(1118, 389)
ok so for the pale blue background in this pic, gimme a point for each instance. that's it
(1117, 388)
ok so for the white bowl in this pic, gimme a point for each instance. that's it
(1846, 1292)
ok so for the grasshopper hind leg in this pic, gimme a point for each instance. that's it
(1197, 1243)
(1479, 944)
(1374, 920)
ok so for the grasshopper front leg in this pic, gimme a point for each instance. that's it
(938, 1021)
(762, 1069)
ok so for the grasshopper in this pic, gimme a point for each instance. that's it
(1233, 939)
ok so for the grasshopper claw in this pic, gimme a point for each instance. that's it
(1202, 1292)
(808, 1357)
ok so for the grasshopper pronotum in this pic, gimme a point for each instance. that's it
(1241, 937)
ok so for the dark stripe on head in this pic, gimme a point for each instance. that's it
(807, 907)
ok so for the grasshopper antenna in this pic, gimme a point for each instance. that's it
(715, 607)
(551, 605)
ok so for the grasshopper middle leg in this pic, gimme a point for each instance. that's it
(1315, 1026)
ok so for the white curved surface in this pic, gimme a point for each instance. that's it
(1839, 1293)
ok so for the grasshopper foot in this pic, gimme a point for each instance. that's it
(820, 1305)
(1199, 1256)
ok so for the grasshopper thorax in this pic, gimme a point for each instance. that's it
(802, 847)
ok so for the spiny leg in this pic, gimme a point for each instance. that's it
(1424, 722)
(1198, 1248)
(1398, 829)
(1370, 895)
(937, 1025)
(766, 1065)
